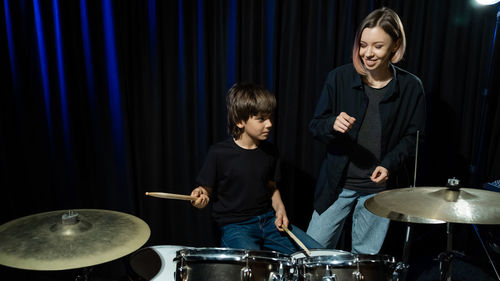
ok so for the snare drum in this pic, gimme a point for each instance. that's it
(155, 263)
(216, 264)
(335, 265)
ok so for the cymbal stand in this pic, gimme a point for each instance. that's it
(446, 257)
(402, 267)
(401, 270)
(486, 251)
(83, 275)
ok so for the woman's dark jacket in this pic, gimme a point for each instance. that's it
(402, 113)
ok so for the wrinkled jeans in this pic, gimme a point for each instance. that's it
(260, 232)
(368, 230)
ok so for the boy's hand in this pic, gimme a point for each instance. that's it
(202, 195)
(281, 219)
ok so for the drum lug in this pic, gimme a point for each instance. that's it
(400, 271)
(294, 272)
(277, 276)
(330, 276)
(357, 276)
(246, 274)
(183, 273)
(307, 276)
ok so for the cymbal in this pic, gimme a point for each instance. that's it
(373, 206)
(465, 205)
(61, 240)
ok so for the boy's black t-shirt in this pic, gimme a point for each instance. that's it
(240, 179)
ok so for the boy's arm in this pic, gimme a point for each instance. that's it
(278, 206)
(203, 194)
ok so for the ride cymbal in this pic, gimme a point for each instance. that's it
(373, 206)
(465, 205)
(61, 240)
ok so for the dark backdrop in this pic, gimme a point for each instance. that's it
(102, 101)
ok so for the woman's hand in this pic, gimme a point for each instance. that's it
(202, 200)
(380, 175)
(343, 122)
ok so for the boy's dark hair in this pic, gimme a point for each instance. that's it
(244, 101)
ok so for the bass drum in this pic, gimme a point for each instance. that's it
(336, 265)
(217, 264)
(154, 263)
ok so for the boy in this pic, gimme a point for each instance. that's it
(241, 172)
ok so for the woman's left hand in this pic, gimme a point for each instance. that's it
(380, 175)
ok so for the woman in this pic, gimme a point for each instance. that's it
(368, 115)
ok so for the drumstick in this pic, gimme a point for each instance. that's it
(296, 240)
(171, 196)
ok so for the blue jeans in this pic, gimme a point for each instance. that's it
(368, 230)
(260, 232)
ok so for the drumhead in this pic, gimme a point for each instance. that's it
(155, 263)
(324, 257)
(228, 254)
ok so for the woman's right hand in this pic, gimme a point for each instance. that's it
(343, 122)
(202, 200)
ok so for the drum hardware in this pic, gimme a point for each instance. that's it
(451, 205)
(61, 240)
(486, 251)
(329, 275)
(84, 274)
(357, 275)
(182, 269)
(277, 276)
(246, 272)
(400, 271)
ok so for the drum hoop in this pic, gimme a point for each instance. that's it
(229, 254)
(322, 261)
(363, 258)
(326, 257)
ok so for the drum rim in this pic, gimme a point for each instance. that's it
(376, 258)
(324, 260)
(230, 254)
(328, 257)
(315, 250)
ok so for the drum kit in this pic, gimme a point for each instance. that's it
(213, 264)
(61, 240)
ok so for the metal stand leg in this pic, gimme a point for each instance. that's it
(84, 274)
(401, 270)
(446, 257)
(486, 251)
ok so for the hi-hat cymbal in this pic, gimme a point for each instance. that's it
(373, 206)
(61, 240)
(466, 205)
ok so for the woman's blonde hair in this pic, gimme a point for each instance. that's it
(390, 22)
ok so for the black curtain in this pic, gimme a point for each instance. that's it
(144, 90)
